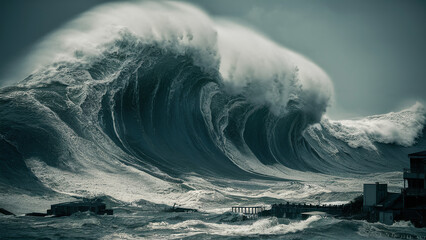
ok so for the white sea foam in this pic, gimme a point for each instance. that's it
(400, 128)
(266, 226)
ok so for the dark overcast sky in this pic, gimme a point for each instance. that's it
(374, 51)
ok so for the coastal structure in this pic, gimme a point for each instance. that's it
(292, 210)
(69, 208)
(414, 191)
(249, 212)
(409, 205)
(5, 212)
(180, 209)
(373, 195)
(375, 205)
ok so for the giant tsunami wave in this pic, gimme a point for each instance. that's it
(135, 101)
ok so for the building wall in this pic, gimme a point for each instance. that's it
(418, 172)
(382, 191)
(369, 195)
(386, 217)
(374, 193)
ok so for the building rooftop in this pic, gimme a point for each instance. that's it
(418, 154)
(80, 203)
(391, 200)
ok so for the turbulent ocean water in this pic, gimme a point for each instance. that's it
(147, 104)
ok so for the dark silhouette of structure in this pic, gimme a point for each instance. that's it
(376, 204)
(248, 212)
(410, 204)
(414, 176)
(68, 208)
(5, 212)
(180, 209)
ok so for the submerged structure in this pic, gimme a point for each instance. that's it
(180, 209)
(5, 212)
(68, 208)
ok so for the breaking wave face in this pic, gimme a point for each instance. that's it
(160, 91)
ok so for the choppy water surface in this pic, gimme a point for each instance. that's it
(135, 223)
